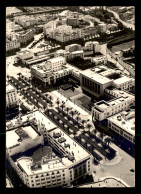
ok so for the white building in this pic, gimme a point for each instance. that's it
(102, 59)
(49, 26)
(93, 45)
(11, 96)
(25, 36)
(69, 55)
(25, 54)
(49, 72)
(124, 83)
(12, 102)
(94, 83)
(72, 162)
(12, 45)
(55, 64)
(123, 124)
(102, 28)
(113, 92)
(64, 33)
(103, 109)
(22, 139)
(73, 47)
(79, 53)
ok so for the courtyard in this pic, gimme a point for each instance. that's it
(78, 97)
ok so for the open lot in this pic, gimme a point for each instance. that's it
(123, 46)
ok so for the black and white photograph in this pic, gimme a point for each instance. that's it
(70, 96)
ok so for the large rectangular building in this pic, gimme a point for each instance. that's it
(25, 36)
(58, 163)
(12, 45)
(102, 109)
(123, 124)
(94, 83)
(124, 83)
(12, 104)
(51, 71)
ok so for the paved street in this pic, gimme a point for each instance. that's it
(120, 169)
(109, 58)
(109, 182)
(128, 25)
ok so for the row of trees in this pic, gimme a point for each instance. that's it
(72, 113)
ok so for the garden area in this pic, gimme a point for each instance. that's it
(102, 14)
(81, 63)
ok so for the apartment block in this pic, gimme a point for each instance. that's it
(123, 124)
(93, 83)
(43, 167)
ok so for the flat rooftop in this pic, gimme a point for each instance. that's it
(45, 121)
(120, 93)
(119, 100)
(56, 59)
(38, 160)
(9, 88)
(73, 148)
(102, 104)
(32, 168)
(23, 52)
(127, 125)
(107, 72)
(122, 80)
(95, 77)
(22, 133)
(76, 52)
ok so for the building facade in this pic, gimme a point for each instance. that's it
(102, 109)
(12, 45)
(94, 83)
(12, 104)
(51, 170)
(25, 37)
(73, 47)
(123, 124)
(124, 83)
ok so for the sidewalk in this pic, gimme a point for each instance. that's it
(117, 159)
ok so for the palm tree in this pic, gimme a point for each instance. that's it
(19, 74)
(95, 132)
(62, 106)
(78, 118)
(89, 126)
(58, 102)
(67, 109)
(108, 140)
(101, 137)
(72, 113)
(83, 122)
(50, 97)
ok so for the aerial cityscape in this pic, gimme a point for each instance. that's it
(70, 97)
